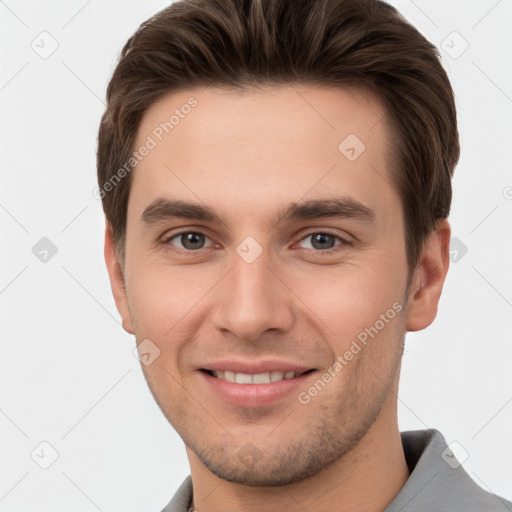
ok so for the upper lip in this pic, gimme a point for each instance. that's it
(253, 367)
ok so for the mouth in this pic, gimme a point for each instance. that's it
(259, 389)
(255, 378)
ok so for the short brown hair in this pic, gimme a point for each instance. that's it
(241, 43)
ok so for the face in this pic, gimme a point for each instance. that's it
(266, 275)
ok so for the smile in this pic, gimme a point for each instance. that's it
(255, 378)
(257, 389)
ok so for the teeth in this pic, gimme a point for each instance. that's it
(229, 376)
(243, 378)
(276, 375)
(261, 378)
(257, 378)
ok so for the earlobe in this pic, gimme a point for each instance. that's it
(428, 280)
(116, 279)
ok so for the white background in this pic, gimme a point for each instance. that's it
(68, 375)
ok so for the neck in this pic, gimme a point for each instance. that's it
(365, 479)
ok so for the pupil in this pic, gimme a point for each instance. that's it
(322, 238)
(192, 240)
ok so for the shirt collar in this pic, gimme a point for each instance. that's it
(437, 481)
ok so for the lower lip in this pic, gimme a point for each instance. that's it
(255, 395)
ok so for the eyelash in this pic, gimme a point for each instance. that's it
(190, 252)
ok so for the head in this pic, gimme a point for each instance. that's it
(239, 137)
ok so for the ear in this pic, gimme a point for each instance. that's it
(428, 279)
(116, 280)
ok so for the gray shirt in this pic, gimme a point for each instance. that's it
(438, 483)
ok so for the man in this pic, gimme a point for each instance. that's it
(276, 182)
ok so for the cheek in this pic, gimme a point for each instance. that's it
(162, 297)
(344, 302)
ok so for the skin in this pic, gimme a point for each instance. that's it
(248, 154)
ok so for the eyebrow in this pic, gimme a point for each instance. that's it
(166, 209)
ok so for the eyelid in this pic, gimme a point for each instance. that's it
(345, 240)
(167, 237)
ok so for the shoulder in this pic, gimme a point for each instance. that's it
(438, 481)
(180, 502)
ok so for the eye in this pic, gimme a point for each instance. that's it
(321, 241)
(189, 240)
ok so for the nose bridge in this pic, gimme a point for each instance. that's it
(250, 279)
(253, 299)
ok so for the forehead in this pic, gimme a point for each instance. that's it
(279, 112)
(263, 145)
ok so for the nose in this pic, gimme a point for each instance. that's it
(253, 300)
